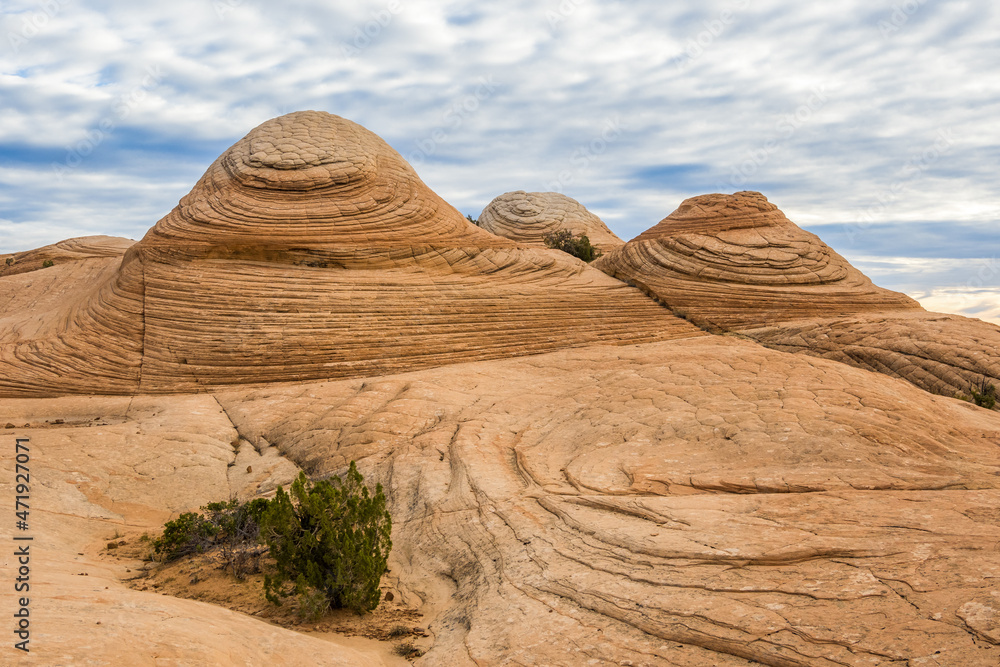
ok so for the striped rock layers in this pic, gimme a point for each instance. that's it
(526, 217)
(727, 262)
(310, 250)
(736, 263)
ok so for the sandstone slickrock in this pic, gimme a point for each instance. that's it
(526, 217)
(576, 475)
(120, 464)
(311, 249)
(70, 250)
(696, 503)
(943, 354)
(735, 263)
(699, 502)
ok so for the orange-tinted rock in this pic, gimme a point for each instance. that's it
(728, 262)
(943, 354)
(312, 250)
(526, 217)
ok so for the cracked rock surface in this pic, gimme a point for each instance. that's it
(700, 502)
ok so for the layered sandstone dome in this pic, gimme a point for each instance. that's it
(309, 250)
(526, 217)
(732, 261)
(735, 263)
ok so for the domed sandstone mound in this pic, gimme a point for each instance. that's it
(526, 217)
(70, 250)
(310, 250)
(728, 262)
(736, 263)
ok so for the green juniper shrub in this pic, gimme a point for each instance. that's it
(330, 536)
(47, 263)
(578, 246)
(472, 220)
(10, 261)
(187, 534)
(984, 393)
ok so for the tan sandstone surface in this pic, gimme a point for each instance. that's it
(114, 466)
(526, 217)
(311, 250)
(576, 474)
(693, 503)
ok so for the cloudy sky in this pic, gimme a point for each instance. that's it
(875, 123)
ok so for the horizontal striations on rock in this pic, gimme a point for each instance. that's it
(526, 217)
(943, 354)
(312, 250)
(728, 262)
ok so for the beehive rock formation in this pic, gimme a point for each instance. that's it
(728, 262)
(526, 217)
(735, 263)
(311, 249)
(576, 475)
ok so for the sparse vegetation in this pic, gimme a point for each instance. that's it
(984, 393)
(472, 220)
(408, 650)
(578, 246)
(330, 536)
(400, 631)
(47, 263)
(189, 533)
(10, 261)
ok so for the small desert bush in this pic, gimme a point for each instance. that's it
(230, 529)
(578, 246)
(330, 536)
(984, 393)
(329, 539)
(47, 263)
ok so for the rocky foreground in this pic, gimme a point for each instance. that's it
(579, 471)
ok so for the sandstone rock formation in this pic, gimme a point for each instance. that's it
(694, 502)
(735, 263)
(71, 250)
(526, 217)
(311, 249)
(697, 502)
(576, 475)
(729, 262)
(118, 465)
